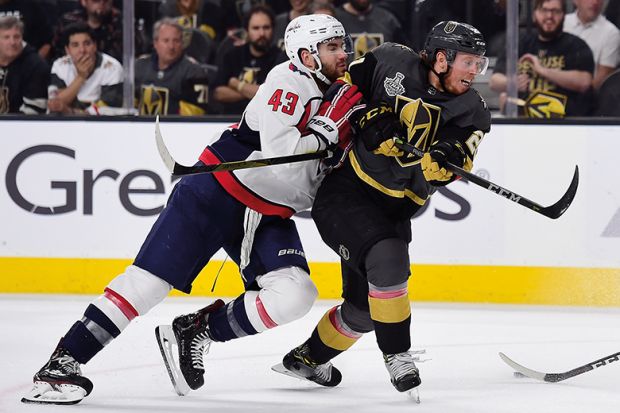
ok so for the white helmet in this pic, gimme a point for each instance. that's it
(307, 32)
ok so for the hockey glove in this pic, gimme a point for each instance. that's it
(440, 153)
(339, 103)
(326, 132)
(388, 148)
(377, 125)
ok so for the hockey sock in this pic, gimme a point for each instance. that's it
(390, 311)
(95, 330)
(230, 321)
(331, 337)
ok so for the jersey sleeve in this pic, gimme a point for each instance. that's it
(283, 108)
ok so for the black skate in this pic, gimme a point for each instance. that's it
(404, 374)
(60, 381)
(190, 333)
(298, 364)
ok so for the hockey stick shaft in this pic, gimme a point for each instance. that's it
(177, 169)
(556, 377)
(554, 211)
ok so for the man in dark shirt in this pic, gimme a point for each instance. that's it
(168, 82)
(24, 76)
(37, 30)
(243, 68)
(555, 68)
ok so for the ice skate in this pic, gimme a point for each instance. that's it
(298, 364)
(190, 334)
(59, 381)
(404, 374)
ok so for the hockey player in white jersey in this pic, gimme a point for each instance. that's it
(247, 213)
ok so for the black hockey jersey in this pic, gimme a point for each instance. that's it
(396, 75)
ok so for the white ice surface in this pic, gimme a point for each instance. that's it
(465, 373)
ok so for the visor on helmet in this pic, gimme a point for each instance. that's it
(470, 63)
(336, 45)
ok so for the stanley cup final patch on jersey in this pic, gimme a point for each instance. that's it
(393, 85)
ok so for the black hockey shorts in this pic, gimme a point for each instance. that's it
(350, 221)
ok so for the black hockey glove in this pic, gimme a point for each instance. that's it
(377, 125)
(440, 153)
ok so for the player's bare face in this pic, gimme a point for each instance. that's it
(81, 46)
(549, 19)
(463, 71)
(10, 44)
(168, 45)
(333, 58)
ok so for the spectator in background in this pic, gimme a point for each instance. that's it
(554, 70)
(106, 22)
(37, 30)
(84, 80)
(298, 8)
(168, 82)
(600, 34)
(612, 12)
(24, 75)
(204, 15)
(369, 26)
(322, 7)
(243, 68)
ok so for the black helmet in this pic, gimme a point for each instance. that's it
(454, 36)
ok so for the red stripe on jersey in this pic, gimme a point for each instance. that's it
(241, 193)
(122, 304)
(303, 122)
(267, 321)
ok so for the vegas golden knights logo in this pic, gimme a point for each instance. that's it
(421, 121)
(4, 99)
(364, 42)
(153, 100)
(545, 104)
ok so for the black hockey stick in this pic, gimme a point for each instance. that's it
(556, 377)
(176, 169)
(553, 211)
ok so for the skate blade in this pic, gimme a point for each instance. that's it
(279, 368)
(414, 395)
(46, 393)
(168, 347)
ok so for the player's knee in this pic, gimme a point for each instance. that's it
(387, 263)
(139, 288)
(287, 293)
(355, 318)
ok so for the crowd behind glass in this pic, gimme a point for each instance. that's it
(206, 57)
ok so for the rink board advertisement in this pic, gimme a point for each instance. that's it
(79, 197)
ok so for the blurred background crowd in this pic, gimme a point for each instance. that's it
(197, 57)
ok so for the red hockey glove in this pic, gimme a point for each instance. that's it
(339, 103)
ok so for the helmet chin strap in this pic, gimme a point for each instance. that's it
(317, 72)
(441, 76)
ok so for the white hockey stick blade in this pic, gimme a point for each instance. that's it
(168, 347)
(522, 369)
(46, 393)
(161, 147)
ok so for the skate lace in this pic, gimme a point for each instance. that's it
(65, 365)
(200, 347)
(323, 372)
(400, 365)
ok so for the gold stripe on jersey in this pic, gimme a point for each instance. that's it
(331, 337)
(395, 193)
(389, 310)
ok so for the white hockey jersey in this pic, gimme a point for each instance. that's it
(273, 124)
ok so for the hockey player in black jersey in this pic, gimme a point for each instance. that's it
(363, 210)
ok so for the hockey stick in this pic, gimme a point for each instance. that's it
(553, 211)
(556, 377)
(176, 169)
